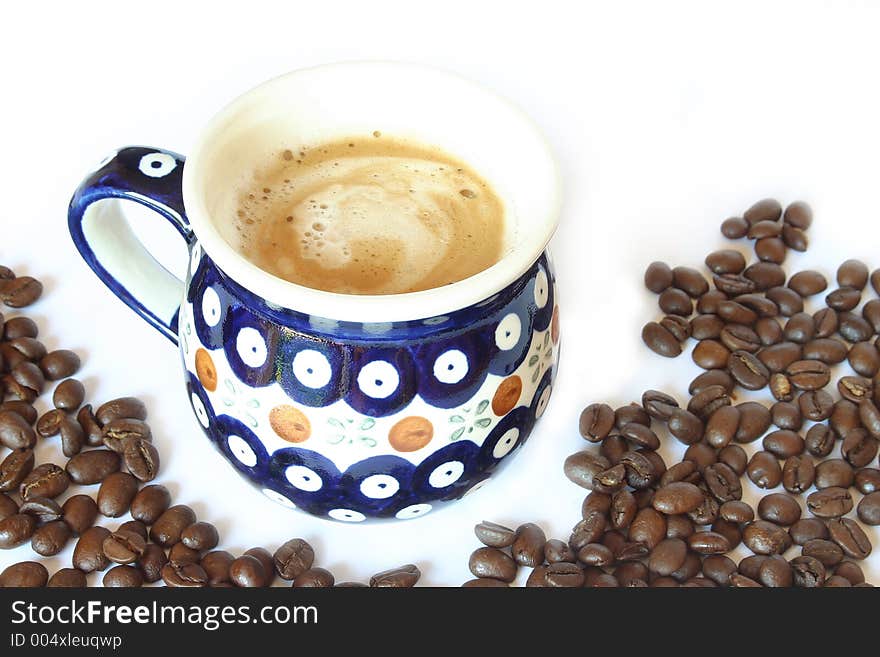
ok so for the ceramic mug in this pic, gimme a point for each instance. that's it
(349, 407)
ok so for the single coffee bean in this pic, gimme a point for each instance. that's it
(296, 556)
(708, 543)
(91, 429)
(189, 575)
(708, 400)
(117, 433)
(733, 284)
(764, 471)
(771, 249)
(667, 556)
(769, 331)
(581, 467)
(180, 554)
(719, 568)
(88, 554)
(851, 571)
(690, 281)
(807, 283)
(216, 565)
(707, 304)
(631, 413)
(722, 482)
(734, 228)
(657, 404)
(684, 425)
(807, 529)
(868, 509)
(767, 209)
(660, 340)
(788, 301)
(595, 501)
(779, 508)
(706, 327)
(679, 327)
(815, 405)
(741, 581)
(763, 537)
(759, 304)
(130, 408)
(202, 536)
(836, 582)
(830, 502)
(701, 454)
(785, 415)
(588, 530)
(69, 395)
(843, 298)
(404, 576)
(775, 572)
(16, 530)
(828, 552)
(764, 229)
(808, 374)
(858, 448)
(676, 302)
(853, 328)
(736, 313)
(623, 510)
(784, 443)
(72, 436)
(765, 275)
(68, 578)
(648, 528)
(710, 354)
(738, 337)
(808, 571)
(871, 313)
(800, 328)
(798, 474)
(595, 554)
(116, 494)
(46, 480)
(141, 459)
(691, 567)
(596, 422)
(844, 417)
(864, 358)
(153, 560)
(850, 537)
(59, 364)
(641, 436)
(150, 503)
(799, 215)
(754, 420)
(123, 577)
(14, 468)
(658, 277)
(870, 417)
(677, 498)
(51, 538)
(829, 350)
(79, 512)
(710, 378)
(92, 467)
(20, 327)
(794, 238)
(21, 291)
(722, 426)
(135, 526)
(866, 480)
(781, 388)
(15, 432)
(124, 546)
(613, 448)
(528, 547)
(8, 507)
(852, 273)
(168, 528)
(747, 370)
(640, 468)
(556, 551)
(834, 473)
(41, 508)
(49, 423)
(725, 261)
(492, 562)
(779, 356)
(26, 574)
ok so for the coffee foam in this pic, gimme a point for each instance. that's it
(370, 216)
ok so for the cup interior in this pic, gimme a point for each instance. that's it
(326, 103)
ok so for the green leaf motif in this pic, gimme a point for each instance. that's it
(546, 338)
(251, 420)
(335, 423)
(229, 385)
(533, 360)
(483, 422)
(368, 424)
(227, 401)
(536, 374)
(456, 434)
(482, 406)
(338, 438)
(369, 442)
(457, 419)
(253, 403)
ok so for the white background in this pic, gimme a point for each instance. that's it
(665, 117)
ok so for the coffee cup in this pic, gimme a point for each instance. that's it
(349, 407)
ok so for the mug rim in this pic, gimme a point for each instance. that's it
(368, 308)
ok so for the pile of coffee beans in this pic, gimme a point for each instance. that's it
(648, 524)
(108, 456)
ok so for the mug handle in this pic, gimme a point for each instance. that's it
(149, 176)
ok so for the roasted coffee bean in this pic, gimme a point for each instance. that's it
(808, 571)
(764, 471)
(807, 529)
(130, 408)
(754, 420)
(216, 565)
(660, 340)
(807, 283)
(631, 573)
(21, 291)
(834, 473)
(648, 528)
(738, 337)
(14, 468)
(783, 444)
(800, 328)
(836, 582)
(725, 261)
(871, 313)
(202, 536)
(758, 303)
(779, 356)
(808, 374)
(20, 327)
(830, 502)
(150, 503)
(588, 530)
(631, 413)
(780, 387)
(769, 331)
(49, 423)
(189, 575)
(691, 568)
(676, 302)
(722, 426)
(528, 546)
(867, 480)
(658, 404)
(42, 508)
(141, 459)
(851, 571)
(779, 508)
(734, 228)
(722, 482)
(679, 327)
(850, 537)
(296, 555)
(869, 416)
(69, 395)
(613, 448)
(684, 425)
(765, 275)
(827, 552)
(711, 378)
(677, 498)
(864, 358)
(843, 298)
(690, 281)
(46, 480)
(124, 546)
(623, 509)
(610, 480)
(775, 572)
(708, 543)
(718, 568)
(815, 405)
(8, 507)
(117, 433)
(868, 509)
(135, 526)
(642, 436)
(168, 528)
(26, 574)
(16, 530)
(79, 512)
(771, 249)
(667, 556)
(72, 437)
(596, 422)
(845, 417)
(556, 551)
(701, 454)
(25, 382)
(785, 415)
(764, 229)
(595, 501)
(93, 466)
(741, 581)
(22, 408)
(828, 350)
(116, 494)
(853, 273)
(710, 354)
(641, 470)
(707, 304)
(736, 313)
(581, 467)
(706, 327)
(123, 577)
(153, 560)
(794, 238)
(798, 474)
(31, 349)
(88, 555)
(180, 554)
(853, 328)
(15, 432)
(658, 277)
(733, 284)
(595, 554)
(789, 302)
(763, 537)
(91, 429)
(681, 471)
(799, 215)
(858, 448)
(747, 370)
(736, 511)
(767, 209)
(404, 576)
(482, 583)
(679, 527)
(68, 578)
(492, 562)
(708, 400)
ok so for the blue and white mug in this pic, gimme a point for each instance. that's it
(349, 407)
